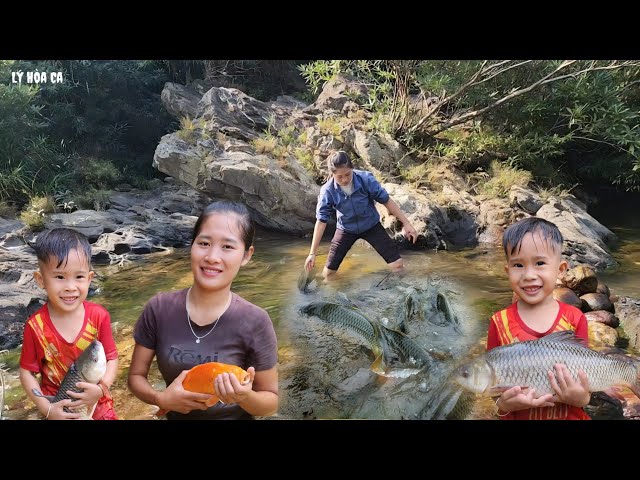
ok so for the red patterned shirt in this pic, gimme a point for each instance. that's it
(46, 352)
(507, 327)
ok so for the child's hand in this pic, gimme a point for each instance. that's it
(520, 398)
(229, 389)
(176, 398)
(567, 389)
(57, 412)
(89, 396)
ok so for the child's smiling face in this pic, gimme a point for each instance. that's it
(534, 268)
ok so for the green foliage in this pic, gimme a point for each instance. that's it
(305, 158)
(6, 209)
(330, 126)
(555, 191)
(96, 173)
(103, 108)
(561, 120)
(377, 75)
(266, 144)
(190, 130)
(93, 198)
(34, 213)
(503, 177)
(109, 110)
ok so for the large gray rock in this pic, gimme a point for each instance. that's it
(179, 100)
(525, 199)
(628, 312)
(20, 296)
(586, 241)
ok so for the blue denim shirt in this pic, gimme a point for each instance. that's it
(355, 213)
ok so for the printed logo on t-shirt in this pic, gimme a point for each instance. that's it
(188, 356)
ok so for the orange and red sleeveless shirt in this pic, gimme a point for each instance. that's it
(506, 327)
(46, 352)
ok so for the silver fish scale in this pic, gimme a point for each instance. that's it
(404, 345)
(527, 363)
(345, 318)
(69, 384)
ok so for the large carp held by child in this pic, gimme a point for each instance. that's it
(527, 364)
(89, 367)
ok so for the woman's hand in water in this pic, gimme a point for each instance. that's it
(310, 262)
(409, 232)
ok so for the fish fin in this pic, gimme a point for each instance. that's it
(212, 401)
(378, 366)
(438, 355)
(303, 281)
(342, 299)
(566, 336)
(498, 389)
(38, 393)
(161, 412)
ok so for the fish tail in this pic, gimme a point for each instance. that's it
(38, 393)
(378, 366)
(635, 388)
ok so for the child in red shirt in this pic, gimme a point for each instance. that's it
(533, 247)
(56, 335)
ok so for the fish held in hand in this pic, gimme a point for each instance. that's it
(89, 367)
(527, 364)
(201, 378)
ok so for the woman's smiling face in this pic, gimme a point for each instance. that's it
(218, 252)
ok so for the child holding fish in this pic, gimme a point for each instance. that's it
(209, 325)
(63, 328)
(533, 249)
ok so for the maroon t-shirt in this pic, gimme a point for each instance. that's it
(244, 336)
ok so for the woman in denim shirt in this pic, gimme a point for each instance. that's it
(351, 193)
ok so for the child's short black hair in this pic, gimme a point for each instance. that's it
(57, 243)
(512, 238)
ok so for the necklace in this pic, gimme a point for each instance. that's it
(214, 323)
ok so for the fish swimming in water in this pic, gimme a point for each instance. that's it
(408, 352)
(444, 305)
(390, 347)
(411, 310)
(201, 379)
(346, 318)
(89, 367)
(306, 282)
(527, 363)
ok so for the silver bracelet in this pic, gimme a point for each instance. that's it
(498, 412)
